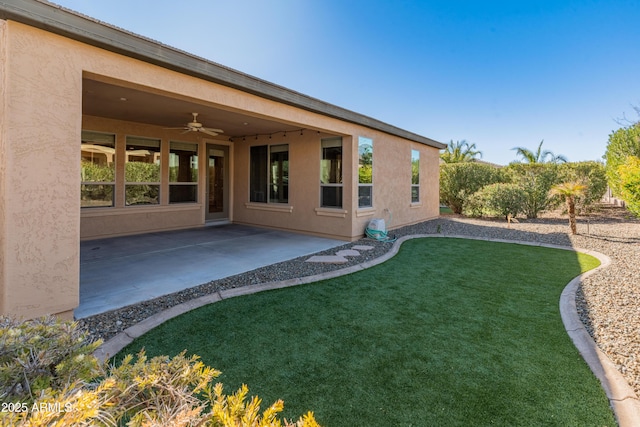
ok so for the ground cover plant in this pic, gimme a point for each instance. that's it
(448, 332)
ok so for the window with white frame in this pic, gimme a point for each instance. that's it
(415, 176)
(365, 172)
(269, 174)
(331, 173)
(142, 171)
(183, 172)
(97, 168)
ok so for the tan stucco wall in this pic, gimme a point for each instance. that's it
(40, 127)
(42, 103)
(303, 212)
(392, 183)
(3, 157)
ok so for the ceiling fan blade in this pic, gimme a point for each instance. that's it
(181, 127)
(214, 130)
(186, 131)
(207, 131)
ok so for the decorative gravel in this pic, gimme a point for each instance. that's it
(608, 302)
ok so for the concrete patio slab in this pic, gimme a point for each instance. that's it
(120, 271)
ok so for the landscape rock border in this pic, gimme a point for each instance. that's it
(622, 398)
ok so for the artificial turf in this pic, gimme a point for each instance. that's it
(448, 332)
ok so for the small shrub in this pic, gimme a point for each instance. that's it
(496, 200)
(458, 181)
(40, 354)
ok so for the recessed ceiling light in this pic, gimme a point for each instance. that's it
(123, 99)
(245, 123)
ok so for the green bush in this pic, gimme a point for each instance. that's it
(622, 143)
(496, 200)
(536, 180)
(629, 173)
(592, 175)
(458, 181)
(92, 172)
(49, 377)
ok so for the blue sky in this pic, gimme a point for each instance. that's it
(500, 74)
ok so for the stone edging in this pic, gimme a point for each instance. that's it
(622, 398)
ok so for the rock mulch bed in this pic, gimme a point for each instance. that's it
(608, 302)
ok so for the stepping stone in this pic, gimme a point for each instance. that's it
(348, 252)
(362, 247)
(328, 259)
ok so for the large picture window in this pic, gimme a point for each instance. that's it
(269, 176)
(183, 172)
(331, 173)
(142, 171)
(97, 166)
(365, 172)
(415, 176)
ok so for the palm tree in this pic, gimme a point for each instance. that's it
(460, 151)
(539, 156)
(570, 190)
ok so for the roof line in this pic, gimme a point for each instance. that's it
(68, 23)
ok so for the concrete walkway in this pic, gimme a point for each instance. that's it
(622, 398)
(120, 271)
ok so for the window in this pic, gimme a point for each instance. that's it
(269, 175)
(331, 173)
(142, 171)
(183, 172)
(415, 176)
(97, 169)
(365, 172)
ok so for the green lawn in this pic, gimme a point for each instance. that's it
(448, 332)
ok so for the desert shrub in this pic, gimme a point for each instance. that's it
(49, 377)
(458, 181)
(592, 175)
(536, 180)
(496, 200)
(629, 173)
(40, 354)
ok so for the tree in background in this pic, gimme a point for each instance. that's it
(569, 191)
(593, 176)
(539, 156)
(622, 143)
(536, 179)
(460, 152)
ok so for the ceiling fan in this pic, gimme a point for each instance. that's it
(196, 126)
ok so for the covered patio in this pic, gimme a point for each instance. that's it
(119, 271)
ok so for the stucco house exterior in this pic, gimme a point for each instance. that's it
(98, 137)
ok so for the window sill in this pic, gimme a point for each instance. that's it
(365, 212)
(95, 212)
(415, 205)
(270, 207)
(332, 212)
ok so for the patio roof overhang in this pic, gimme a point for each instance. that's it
(56, 19)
